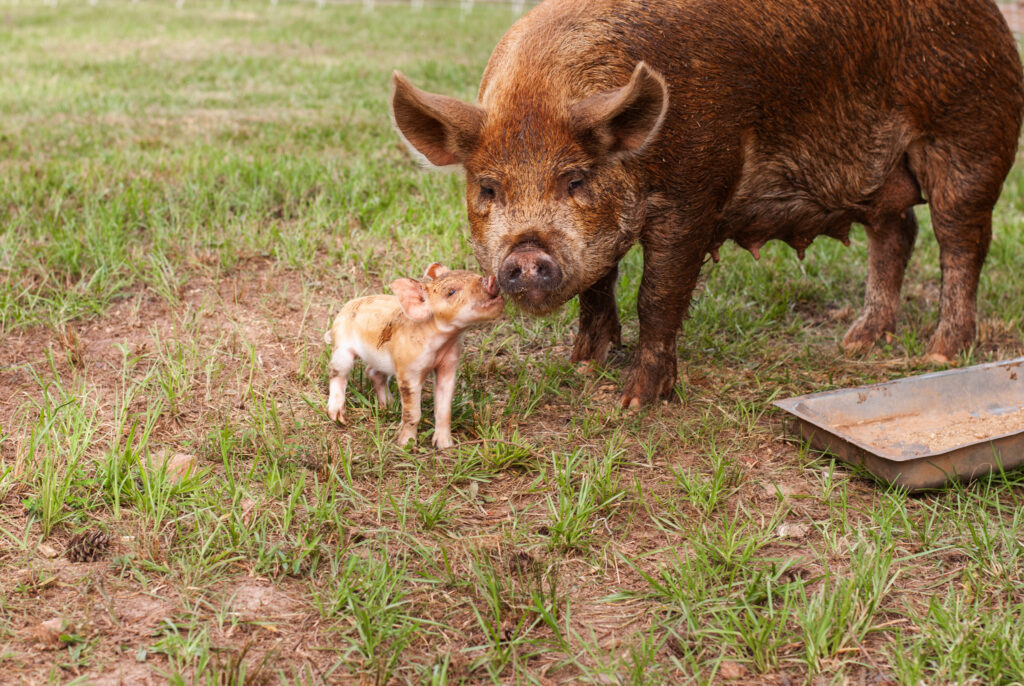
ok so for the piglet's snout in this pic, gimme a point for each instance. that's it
(529, 270)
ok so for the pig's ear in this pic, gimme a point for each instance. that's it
(436, 270)
(441, 130)
(413, 299)
(623, 121)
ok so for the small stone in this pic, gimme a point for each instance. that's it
(47, 550)
(792, 530)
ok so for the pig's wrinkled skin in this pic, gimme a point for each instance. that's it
(685, 123)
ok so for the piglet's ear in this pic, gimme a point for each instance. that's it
(413, 299)
(436, 270)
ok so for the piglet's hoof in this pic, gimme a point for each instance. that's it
(336, 415)
(442, 441)
(405, 436)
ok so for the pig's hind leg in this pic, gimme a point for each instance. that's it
(890, 243)
(410, 390)
(599, 321)
(380, 385)
(341, 366)
(962, 188)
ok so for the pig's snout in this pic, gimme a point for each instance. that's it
(530, 270)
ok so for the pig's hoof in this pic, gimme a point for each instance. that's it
(442, 441)
(647, 382)
(936, 359)
(336, 414)
(946, 343)
(593, 346)
(863, 334)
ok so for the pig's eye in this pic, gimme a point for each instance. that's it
(450, 293)
(486, 192)
(576, 184)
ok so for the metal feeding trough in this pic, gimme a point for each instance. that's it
(921, 431)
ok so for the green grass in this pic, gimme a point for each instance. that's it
(189, 194)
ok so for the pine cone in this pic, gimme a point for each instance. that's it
(87, 546)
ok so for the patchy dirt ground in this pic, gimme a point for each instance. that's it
(262, 327)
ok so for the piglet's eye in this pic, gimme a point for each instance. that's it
(486, 192)
(451, 292)
(575, 184)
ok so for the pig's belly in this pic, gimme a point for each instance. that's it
(375, 358)
(767, 206)
(751, 224)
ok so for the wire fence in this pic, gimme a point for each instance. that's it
(1013, 10)
(466, 6)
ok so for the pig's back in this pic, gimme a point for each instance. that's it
(768, 62)
(365, 326)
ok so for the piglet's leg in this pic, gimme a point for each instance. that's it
(410, 390)
(444, 391)
(380, 384)
(341, 366)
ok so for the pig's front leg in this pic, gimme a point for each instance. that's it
(599, 321)
(671, 268)
(410, 387)
(444, 391)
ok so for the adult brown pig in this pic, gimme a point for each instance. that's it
(684, 123)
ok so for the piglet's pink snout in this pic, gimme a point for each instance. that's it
(491, 286)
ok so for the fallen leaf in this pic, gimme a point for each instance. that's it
(785, 490)
(181, 465)
(47, 634)
(732, 670)
(248, 506)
